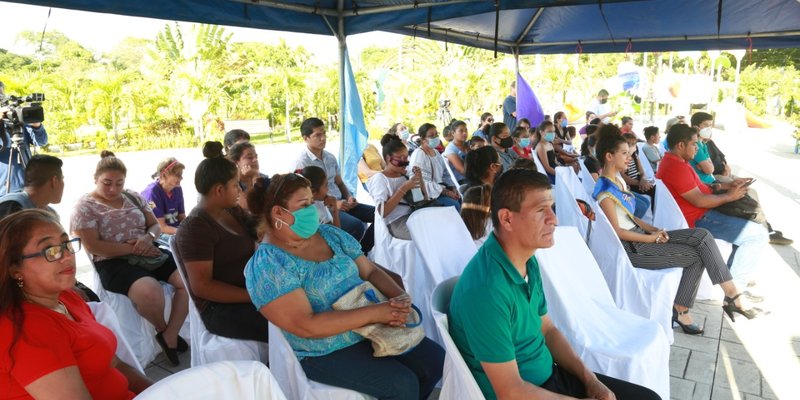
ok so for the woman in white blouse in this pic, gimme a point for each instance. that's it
(437, 183)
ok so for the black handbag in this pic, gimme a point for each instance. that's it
(746, 207)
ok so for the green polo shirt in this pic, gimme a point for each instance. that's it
(495, 316)
(702, 155)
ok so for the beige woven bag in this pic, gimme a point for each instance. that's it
(386, 340)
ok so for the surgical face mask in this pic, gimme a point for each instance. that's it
(404, 134)
(525, 142)
(506, 142)
(705, 133)
(434, 142)
(563, 123)
(306, 221)
(549, 136)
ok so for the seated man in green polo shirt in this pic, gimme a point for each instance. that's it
(498, 313)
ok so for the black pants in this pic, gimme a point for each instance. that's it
(235, 321)
(562, 382)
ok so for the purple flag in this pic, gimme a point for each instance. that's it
(527, 104)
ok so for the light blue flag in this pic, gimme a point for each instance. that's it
(528, 105)
(354, 128)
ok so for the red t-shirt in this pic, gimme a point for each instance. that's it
(524, 153)
(680, 178)
(49, 341)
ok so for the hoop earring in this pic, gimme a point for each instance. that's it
(20, 283)
(279, 224)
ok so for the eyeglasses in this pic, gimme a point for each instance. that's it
(55, 253)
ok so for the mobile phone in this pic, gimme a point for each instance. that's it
(750, 182)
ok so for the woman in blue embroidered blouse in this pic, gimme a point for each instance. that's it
(296, 275)
(649, 247)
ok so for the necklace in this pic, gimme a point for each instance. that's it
(61, 308)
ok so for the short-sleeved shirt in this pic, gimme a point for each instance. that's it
(599, 109)
(453, 149)
(164, 205)
(327, 163)
(273, 272)
(702, 155)
(507, 158)
(652, 154)
(495, 316)
(49, 341)
(510, 106)
(680, 177)
(479, 133)
(112, 224)
(433, 174)
(201, 238)
(382, 188)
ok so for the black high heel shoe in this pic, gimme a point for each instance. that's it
(729, 306)
(182, 345)
(170, 352)
(689, 329)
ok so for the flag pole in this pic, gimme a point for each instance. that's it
(342, 97)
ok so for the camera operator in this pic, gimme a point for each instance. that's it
(33, 134)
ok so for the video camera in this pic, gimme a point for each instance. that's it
(11, 109)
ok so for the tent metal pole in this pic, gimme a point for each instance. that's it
(530, 25)
(472, 36)
(515, 51)
(351, 13)
(342, 98)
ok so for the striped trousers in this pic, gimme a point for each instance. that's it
(694, 250)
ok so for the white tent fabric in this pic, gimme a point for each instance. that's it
(292, 379)
(106, 317)
(669, 216)
(647, 293)
(457, 380)
(138, 331)
(227, 380)
(446, 247)
(397, 255)
(208, 347)
(610, 341)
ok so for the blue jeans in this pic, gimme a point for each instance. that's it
(449, 202)
(408, 376)
(749, 238)
(354, 222)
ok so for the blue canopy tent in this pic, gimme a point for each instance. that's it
(507, 26)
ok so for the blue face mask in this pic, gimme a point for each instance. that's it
(525, 142)
(306, 221)
(549, 136)
(563, 123)
(434, 142)
(404, 134)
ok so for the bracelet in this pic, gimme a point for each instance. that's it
(152, 235)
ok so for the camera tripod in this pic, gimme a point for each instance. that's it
(16, 147)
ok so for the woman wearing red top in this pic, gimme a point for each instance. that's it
(522, 142)
(50, 344)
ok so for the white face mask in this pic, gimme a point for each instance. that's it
(705, 133)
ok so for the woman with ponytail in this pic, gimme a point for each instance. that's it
(215, 241)
(649, 247)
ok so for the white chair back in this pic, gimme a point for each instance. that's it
(539, 166)
(567, 190)
(208, 347)
(648, 169)
(105, 316)
(445, 246)
(586, 179)
(227, 380)
(667, 214)
(449, 169)
(292, 379)
(397, 255)
(457, 380)
(633, 348)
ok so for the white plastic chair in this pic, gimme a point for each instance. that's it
(566, 191)
(669, 216)
(138, 331)
(452, 175)
(445, 245)
(227, 380)
(208, 347)
(397, 255)
(105, 316)
(539, 166)
(610, 341)
(647, 293)
(457, 380)
(648, 169)
(292, 379)
(586, 179)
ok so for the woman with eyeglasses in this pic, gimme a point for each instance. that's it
(50, 344)
(300, 269)
(389, 187)
(165, 195)
(649, 247)
(118, 230)
(437, 181)
(214, 243)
